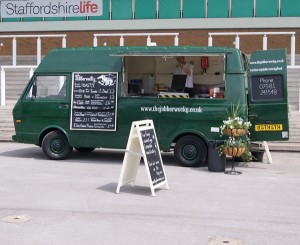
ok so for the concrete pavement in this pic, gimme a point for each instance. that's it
(74, 202)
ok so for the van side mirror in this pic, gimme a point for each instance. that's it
(34, 89)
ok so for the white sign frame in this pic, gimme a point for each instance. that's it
(133, 154)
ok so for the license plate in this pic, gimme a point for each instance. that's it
(268, 127)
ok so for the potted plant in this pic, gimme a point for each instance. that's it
(237, 143)
(233, 147)
(235, 125)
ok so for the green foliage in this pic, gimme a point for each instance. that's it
(234, 122)
(232, 142)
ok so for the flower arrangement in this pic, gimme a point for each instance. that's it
(233, 147)
(235, 125)
(236, 128)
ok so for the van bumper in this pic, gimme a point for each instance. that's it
(17, 138)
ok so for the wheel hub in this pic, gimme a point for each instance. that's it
(57, 146)
(189, 152)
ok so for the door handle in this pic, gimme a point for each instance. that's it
(252, 116)
(63, 106)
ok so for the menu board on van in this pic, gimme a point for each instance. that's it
(267, 72)
(267, 87)
(94, 101)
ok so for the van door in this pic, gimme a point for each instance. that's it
(267, 95)
(45, 104)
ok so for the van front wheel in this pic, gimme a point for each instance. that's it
(55, 146)
(190, 151)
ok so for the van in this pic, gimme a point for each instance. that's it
(87, 98)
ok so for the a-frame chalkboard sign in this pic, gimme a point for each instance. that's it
(142, 142)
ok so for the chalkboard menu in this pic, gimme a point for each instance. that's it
(94, 101)
(267, 87)
(153, 157)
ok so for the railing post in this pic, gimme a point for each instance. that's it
(64, 42)
(237, 42)
(14, 51)
(148, 41)
(293, 49)
(95, 41)
(265, 42)
(38, 50)
(30, 73)
(176, 40)
(121, 41)
(2, 87)
(210, 41)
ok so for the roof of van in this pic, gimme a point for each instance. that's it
(87, 59)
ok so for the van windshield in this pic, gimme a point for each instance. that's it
(48, 87)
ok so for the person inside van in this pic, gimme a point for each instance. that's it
(186, 69)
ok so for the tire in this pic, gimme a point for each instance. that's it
(55, 146)
(84, 149)
(190, 151)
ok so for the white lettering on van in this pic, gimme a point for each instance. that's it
(84, 79)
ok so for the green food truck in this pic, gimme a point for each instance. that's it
(87, 98)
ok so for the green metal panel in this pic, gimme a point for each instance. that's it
(242, 8)
(290, 8)
(29, 19)
(268, 95)
(217, 8)
(121, 10)
(266, 8)
(169, 9)
(11, 19)
(76, 18)
(54, 19)
(105, 12)
(193, 9)
(145, 9)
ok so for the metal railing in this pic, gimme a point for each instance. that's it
(38, 44)
(14, 56)
(122, 35)
(3, 96)
(264, 43)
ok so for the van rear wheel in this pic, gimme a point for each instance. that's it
(190, 151)
(55, 146)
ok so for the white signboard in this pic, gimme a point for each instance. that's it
(142, 142)
(51, 8)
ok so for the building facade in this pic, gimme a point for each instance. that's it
(193, 20)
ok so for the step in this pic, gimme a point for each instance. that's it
(7, 136)
(284, 146)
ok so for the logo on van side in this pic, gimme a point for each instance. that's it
(106, 80)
